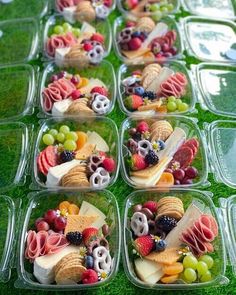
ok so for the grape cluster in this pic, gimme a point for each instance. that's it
(65, 28)
(176, 104)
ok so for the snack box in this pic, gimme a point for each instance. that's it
(23, 32)
(156, 89)
(90, 91)
(203, 270)
(39, 273)
(163, 152)
(84, 10)
(142, 40)
(155, 9)
(79, 44)
(77, 153)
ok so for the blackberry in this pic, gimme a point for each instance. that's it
(74, 237)
(137, 136)
(166, 223)
(151, 158)
(66, 156)
(149, 94)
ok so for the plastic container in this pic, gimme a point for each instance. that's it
(189, 125)
(224, 217)
(210, 39)
(102, 27)
(22, 9)
(119, 24)
(18, 89)
(221, 138)
(97, 72)
(221, 9)
(19, 40)
(105, 127)
(126, 70)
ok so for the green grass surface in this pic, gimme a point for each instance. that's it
(121, 285)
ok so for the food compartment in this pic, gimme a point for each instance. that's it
(144, 40)
(76, 153)
(173, 240)
(155, 89)
(74, 228)
(76, 45)
(91, 91)
(163, 152)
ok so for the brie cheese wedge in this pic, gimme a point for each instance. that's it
(68, 13)
(60, 107)
(60, 55)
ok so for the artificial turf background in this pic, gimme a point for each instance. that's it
(120, 285)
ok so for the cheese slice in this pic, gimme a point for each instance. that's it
(135, 53)
(160, 30)
(87, 28)
(163, 75)
(154, 278)
(60, 55)
(95, 138)
(88, 209)
(60, 107)
(68, 14)
(148, 271)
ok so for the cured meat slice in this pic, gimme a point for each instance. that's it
(40, 165)
(44, 162)
(51, 155)
(175, 85)
(33, 248)
(184, 156)
(42, 238)
(192, 147)
(193, 141)
(61, 4)
(55, 243)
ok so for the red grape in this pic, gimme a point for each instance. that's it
(50, 216)
(169, 170)
(60, 223)
(191, 172)
(177, 182)
(42, 225)
(179, 174)
(38, 220)
(186, 181)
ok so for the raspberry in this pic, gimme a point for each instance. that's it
(89, 277)
(67, 156)
(151, 205)
(142, 127)
(166, 223)
(100, 90)
(151, 158)
(97, 37)
(88, 46)
(109, 164)
(75, 94)
(74, 237)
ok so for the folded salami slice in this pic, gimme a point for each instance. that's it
(55, 243)
(42, 239)
(33, 246)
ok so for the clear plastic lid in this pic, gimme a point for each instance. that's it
(222, 144)
(14, 152)
(18, 40)
(210, 39)
(18, 85)
(216, 84)
(22, 9)
(211, 8)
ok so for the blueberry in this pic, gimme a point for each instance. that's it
(139, 91)
(136, 34)
(160, 245)
(161, 144)
(89, 262)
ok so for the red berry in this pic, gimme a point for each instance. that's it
(102, 154)
(74, 80)
(89, 276)
(187, 181)
(88, 234)
(142, 127)
(191, 172)
(177, 182)
(133, 102)
(97, 37)
(179, 174)
(135, 43)
(50, 216)
(138, 162)
(88, 46)
(60, 223)
(100, 90)
(75, 94)
(42, 225)
(109, 164)
(144, 245)
(131, 3)
(107, 3)
(130, 24)
(151, 205)
(38, 220)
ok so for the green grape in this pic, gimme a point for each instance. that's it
(70, 145)
(48, 139)
(154, 7)
(171, 106)
(164, 10)
(76, 32)
(190, 262)
(53, 132)
(190, 275)
(72, 135)
(202, 268)
(208, 260)
(67, 27)
(64, 129)
(170, 7)
(157, 16)
(171, 98)
(61, 137)
(206, 277)
(164, 2)
(178, 102)
(58, 30)
(183, 107)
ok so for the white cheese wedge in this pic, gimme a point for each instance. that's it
(155, 277)
(159, 30)
(148, 271)
(87, 28)
(88, 209)
(190, 216)
(164, 74)
(60, 55)
(56, 173)
(95, 138)
(60, 107)
(68, 13)
(92, 83)
(44, 265)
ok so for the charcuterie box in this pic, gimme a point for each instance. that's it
(38, 271)
(198, 208)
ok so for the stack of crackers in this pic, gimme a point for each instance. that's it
(76, 177)
(170, 206)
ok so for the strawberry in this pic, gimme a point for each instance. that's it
(97, 37)
(151, 205)
(89, 234)
(130, 24)
(75, 94)
(109, 164)
(142, 127)
(130, 4)
(100, 90)
(137, 162)
(144, 245)
(133, 102)
(135, 43)
(107, 3)
(88, 46)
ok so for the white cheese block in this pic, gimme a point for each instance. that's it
(68, 14)
(60, 55)
(92, 83)
(88, 209)
(154, 278)
(95, 138)
(164, 74)
(44, 265)
(148, 271)
(190, 216)
(56, 173)
(159, 30)
(60, 107)
(87, 28)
